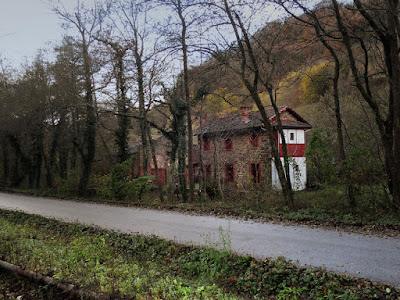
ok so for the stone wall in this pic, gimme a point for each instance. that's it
(242, 155)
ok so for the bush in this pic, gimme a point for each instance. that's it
(68, 185)
(119, 185)
(213, 191)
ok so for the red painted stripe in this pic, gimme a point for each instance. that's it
(294, 150)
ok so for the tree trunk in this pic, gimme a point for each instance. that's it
(6, 163)
(123, 109)
(90, 130)
(202, 177)
(156, 171)
(286, 184)
(142, 110)
(188, 102)
(393, 26)
(182, 165)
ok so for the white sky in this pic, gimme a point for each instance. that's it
(26, 26)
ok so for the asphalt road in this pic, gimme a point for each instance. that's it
(370, 257)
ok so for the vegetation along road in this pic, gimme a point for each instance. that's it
(370, 257)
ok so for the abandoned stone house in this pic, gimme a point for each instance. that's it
(236, 149)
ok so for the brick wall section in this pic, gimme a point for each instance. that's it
(243, 153)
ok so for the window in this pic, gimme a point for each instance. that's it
(254, 140)
(291, 136)
(206, 144)
(255, 172)
(229, 173)
(227, 144)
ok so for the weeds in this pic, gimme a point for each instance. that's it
(148, 267)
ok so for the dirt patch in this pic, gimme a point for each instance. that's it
(13, 286)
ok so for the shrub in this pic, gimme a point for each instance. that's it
(119, 184)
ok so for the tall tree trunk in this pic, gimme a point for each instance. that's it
(6, 163)
(393, 27)
(172, 187)
(142, 109)
(286, 184)
(26, 163)
(123, 109)
(51, 161)
(182, 164)
(187, 101)
(90, 130)
(75, 134)
(202, 177)
(156, 170)
(62, 148)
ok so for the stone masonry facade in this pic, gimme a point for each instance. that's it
(248, 154)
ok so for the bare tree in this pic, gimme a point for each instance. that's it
(85, 21)
(130, 21)
(253, 59)
(123, 104)
(188, 17)
(326, 35)
(382, 19)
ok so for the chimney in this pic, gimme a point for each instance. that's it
(244, 111)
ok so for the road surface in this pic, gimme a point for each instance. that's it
(371, 257)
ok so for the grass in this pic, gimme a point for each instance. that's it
(122, 265)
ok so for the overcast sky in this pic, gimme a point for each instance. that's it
(26, 26)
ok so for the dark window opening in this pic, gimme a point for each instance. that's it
(229, 173)
(255, 172)
(254, 140)
(292, 136)
(206, 144)
(227, 144)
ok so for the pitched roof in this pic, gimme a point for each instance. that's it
(234, 122)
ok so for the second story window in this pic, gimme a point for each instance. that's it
(227, 144)
(254, 140)
(291, 137)
(206, 144)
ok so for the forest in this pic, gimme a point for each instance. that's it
(129, 73)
